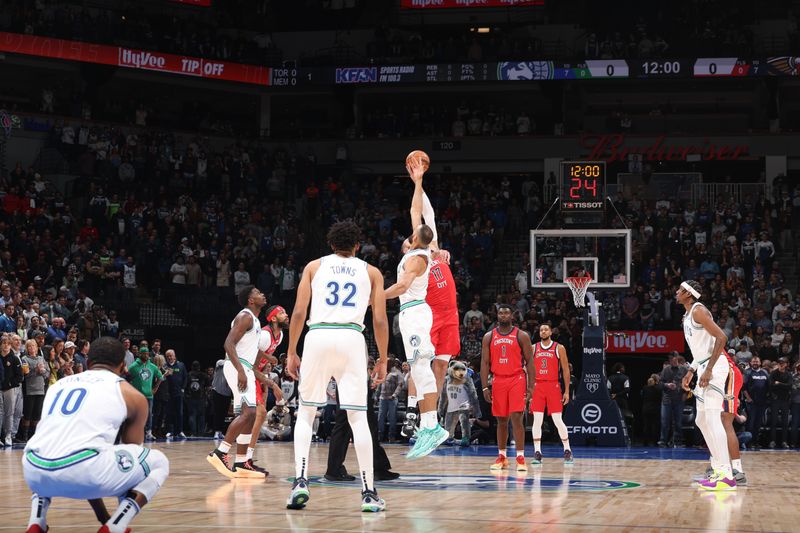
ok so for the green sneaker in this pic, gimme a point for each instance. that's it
(427, 441)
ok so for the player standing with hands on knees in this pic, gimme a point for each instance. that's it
(339, 288)
(73, 455)
(709, 360)
(506, 353)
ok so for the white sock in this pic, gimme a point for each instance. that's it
(39, 506)
(538, 419)
(737, 465)
(362, 441)
(428, 420)
(412, 402)
(562, 430)
(501, 452)
(224, 447)
(241, 458)
(719, 438)
(302, 439)
(123, 516)
(249, 453)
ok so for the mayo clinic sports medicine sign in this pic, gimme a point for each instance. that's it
(644, 341)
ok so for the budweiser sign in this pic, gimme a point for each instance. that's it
(644, 341)
(617, 147)
(444, 4)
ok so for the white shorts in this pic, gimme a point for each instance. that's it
(87, 474)
(711, 397)
(340, 354)
(246, 398)
(415, 327)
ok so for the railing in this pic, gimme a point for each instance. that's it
(712, 193)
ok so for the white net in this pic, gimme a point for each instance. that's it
(578, 285)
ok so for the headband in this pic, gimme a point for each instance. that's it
(275, 312)
(691, 290)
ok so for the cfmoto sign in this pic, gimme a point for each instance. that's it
(591, 413)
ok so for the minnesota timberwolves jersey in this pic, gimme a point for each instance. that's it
(419, 287)
(247, 347)
(81, 411)
(700, 341)
(340, 291)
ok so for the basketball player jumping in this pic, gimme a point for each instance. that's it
(416, 321)
(271, 337)
(547, 391)
(241, 347)
(73, 455)
(707, 343)
(339, 287)
(506, 353)
(441, 298)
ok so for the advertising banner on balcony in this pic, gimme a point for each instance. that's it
(449, 4)
(644, 341)
(33, 45)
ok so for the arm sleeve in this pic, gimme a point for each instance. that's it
(428, 216)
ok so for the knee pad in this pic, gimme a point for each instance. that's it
(243, 439)
(424, 379)
(159, 470)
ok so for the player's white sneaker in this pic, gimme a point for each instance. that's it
(371, 502)
(300, 495)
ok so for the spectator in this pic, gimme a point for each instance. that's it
(389, 392)
(8, 324)
(241, 278)
(146, 378)
(178, 272)
(473, 312)
(221, 394)
(781, 392)
(177, 378)
(328, 412)
(196, 399)
(672, 401)
(651, 409)
(11, 386)
(795, 406)
(36, 372)
(755, 386)
(161, 399)
(129, 358)
(619, 387)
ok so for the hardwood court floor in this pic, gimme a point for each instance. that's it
(619, 490)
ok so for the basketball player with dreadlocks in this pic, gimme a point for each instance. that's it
(710, 362)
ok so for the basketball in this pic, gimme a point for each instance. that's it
(421, 156)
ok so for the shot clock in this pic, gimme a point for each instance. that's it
(583, 186)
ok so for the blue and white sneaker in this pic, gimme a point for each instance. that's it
(427, 441)
(371, 502)
(300, 495)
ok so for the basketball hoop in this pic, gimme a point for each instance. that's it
(578, 285)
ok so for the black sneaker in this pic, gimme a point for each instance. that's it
(248, 469)
(409, 428)
(222, 462)
(341, 477)
(537, 458)
(568, 459)
(386, 475)
(300, 495)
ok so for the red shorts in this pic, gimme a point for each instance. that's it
(508, 394)
(259, 393)
(445, 338)
(733, 386)
(547, 394)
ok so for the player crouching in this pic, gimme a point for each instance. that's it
(73, 455)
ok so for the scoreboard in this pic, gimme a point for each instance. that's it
(583, 186)
(539, 70)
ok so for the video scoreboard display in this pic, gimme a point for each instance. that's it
(583, 186)
(703, 67)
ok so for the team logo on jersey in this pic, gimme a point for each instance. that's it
(414, 340)
(124, 461)
(488, 483)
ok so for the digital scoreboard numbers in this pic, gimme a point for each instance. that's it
(583, 186)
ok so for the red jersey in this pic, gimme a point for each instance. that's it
(506, 354)
(441, 297)
(545, 361)
(273, 345)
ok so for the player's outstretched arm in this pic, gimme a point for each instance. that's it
(702, 316)
(562, 358)
(380, 323)
(486, 366)
(299, 317)
(416, 171)
(132, 431)
(527, 352)
(414, 268)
